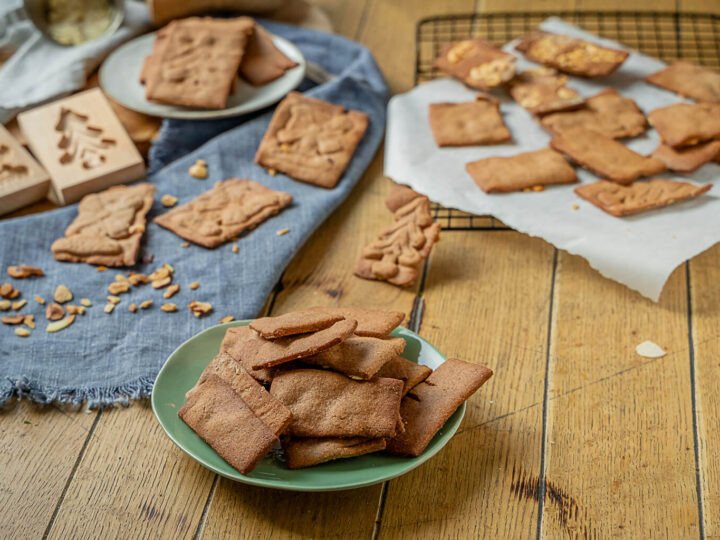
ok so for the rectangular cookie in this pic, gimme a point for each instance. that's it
(686, 124)
(268, 409)
(639, 196)
(521, 171)
(398, 253)
(328, 404)
(466, 124)
(429, 405)
(359, 358)
(371, 322)
(199, 62)
(223, 212)
(409, 372)
(311, 140)
(571, 55)
(607, 112)
(297, 322)
(477, 63)
(108, 228)
(306, 452)
(233, 342)
(604, 156)
(152, 61)
(689, 158)
(257, 352)
(543, 90)
(688, 80)
(263, 62)
(224, 421)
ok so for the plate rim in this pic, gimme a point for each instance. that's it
(184, 113)
(410, 463)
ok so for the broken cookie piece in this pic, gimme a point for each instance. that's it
(466, 124)
(689, 158)
(359, 358)
(543, 90)
(263, 62)
(477, 63)
(298, 322)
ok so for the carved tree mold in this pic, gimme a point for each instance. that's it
(22, 180)
(82, 144)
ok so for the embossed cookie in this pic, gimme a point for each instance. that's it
(371, 322)
(359, 358)
(689, 158)
(328, 404)
(268, 409)
(429, 405)
(521, 171)
(477, 63)
(571, 55)
(399, 251)
(108, 228)
(306, 452)
(399, 196)
(224, 421)
(607, 112)
(290, 324)
(257, 352)
(686, 124)
(469, 123)
(311, 140)
(409, 372)
(688, 80)
(223, 212)
(543, 91)
(639, 196)
(263, 62)
(199, 62)
(605, 156)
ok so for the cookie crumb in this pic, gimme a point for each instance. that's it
(227, 319)
(146, 304)
(14, 319)
(75, 310)
(272, 172)
(168, 201)
(199, 170)
(282, 232)
(168, 308)
(54, 312)
(121, 278)
(194, 285)
(185, 244)
(200, 308)
(61, 324)
(538, 188)
(101, 269)
(29, 321)
(118, 287)
(23, 271)
(109, 308)
(171, 291)
(576, 207)
(19, 304)
(113, 299)
(235, 248)
(40, 300)
(4, 305)
(86, 302)
(132, 308)
(62, 294)
(22, 332)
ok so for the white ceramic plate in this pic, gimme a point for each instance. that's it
(120, 72)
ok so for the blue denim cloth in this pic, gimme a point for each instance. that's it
(107, 359)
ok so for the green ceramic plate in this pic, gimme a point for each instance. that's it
(182, 370)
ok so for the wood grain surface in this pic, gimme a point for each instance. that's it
(575, 436)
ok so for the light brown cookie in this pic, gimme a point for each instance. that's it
(543, 90)
(639, 196)
(224, 421)
(371, 322)
(687, 159)
(223, 212)
(263, 62)
(151, 62)
(257, 352)
(199, 62)
(466, 124)
(108, 228)
(686, 124)
(477, 63)
(302, 452)
(311, 140)
(400, 250)
(571, 55)
(607, 112)
(399, 196)
(296, 322)
(328, 404)
(409, 372)
(521, 171)
(359, 358)
(688, 80)
(233, 342)
(429, 405)
(268, 409)
(604, 156)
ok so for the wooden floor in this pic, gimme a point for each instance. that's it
(574, 436)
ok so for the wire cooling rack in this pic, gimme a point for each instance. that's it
(691, 36)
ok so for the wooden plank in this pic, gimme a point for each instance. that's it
(705, 302)
(487, 301)
(620, 458)
(38, 450)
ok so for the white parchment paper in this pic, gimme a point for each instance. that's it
(639, 251)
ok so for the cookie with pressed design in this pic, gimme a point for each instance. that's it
(689, 80)
(543, 91)
(311, 140)
(477, 63)
(469, 123)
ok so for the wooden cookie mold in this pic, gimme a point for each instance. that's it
(22, 180)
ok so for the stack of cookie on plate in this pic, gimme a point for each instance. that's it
(585, 131)
(338, 388)
(195, 62)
